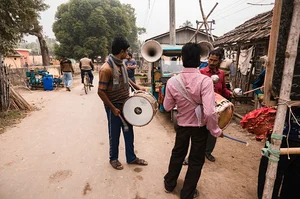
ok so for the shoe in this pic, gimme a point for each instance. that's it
(210, 157)
(91, 85)
(196, 194)
(68, 89)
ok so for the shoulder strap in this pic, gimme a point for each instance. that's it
(181, 88)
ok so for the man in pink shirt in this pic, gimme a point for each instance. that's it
(199, 88)
(214, 60)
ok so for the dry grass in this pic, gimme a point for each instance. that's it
(10, 118)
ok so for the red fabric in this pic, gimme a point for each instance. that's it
(260, 122)
(220, 87)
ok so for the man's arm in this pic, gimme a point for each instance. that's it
(169, 102)
(92, 65)
(209, 110)
(132, 66)
(103, 82)
(225, 92)
(80, 65)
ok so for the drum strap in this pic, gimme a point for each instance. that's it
(181, 88)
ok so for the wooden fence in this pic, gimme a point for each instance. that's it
(4, 87)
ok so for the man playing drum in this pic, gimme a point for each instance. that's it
(191, 125)
(114, 90)
(214, 60)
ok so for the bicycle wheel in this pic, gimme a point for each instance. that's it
(86, 83)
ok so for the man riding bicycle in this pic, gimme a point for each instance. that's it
(86, 65)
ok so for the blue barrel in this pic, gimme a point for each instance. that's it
(48, 82)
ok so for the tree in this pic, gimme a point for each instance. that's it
(186, 23)
(36, 29)
(89, 26)
(35, 46)
(16, 16)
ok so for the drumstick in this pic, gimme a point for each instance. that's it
(235, 139)
(126, 128)
(253, 90)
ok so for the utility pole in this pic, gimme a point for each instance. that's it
(172, 22)
(202, 23)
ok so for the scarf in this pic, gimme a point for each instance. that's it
(115, 63)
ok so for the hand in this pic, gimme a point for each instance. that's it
(143, 89)
(232, 95)
(221, 136)
(260, 97)
(116, 112)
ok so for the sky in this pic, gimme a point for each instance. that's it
(154, 14)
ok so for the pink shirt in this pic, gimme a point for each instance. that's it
(201, 90)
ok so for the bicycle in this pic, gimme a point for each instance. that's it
(87, 84)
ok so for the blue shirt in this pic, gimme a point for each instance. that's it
(130, 71)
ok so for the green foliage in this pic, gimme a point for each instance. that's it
(35, 46)
(186, 23)
(89, 26)
(17, 16)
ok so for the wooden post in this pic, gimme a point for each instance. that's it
(172, 22)
(204, 19)
(202, 23)
(272, 51)
(285, 91)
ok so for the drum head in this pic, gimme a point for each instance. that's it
(138, 111)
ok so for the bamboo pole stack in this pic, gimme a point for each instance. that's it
(18, 102)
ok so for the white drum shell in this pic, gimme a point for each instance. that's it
(140, 109)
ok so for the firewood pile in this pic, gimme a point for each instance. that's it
(17, 102)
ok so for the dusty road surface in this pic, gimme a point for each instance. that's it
(61, 152)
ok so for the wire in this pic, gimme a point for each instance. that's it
(151, 10)
(222, 17)
(228, 8)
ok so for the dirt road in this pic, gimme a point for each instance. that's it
(61, 152)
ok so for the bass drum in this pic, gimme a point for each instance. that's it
(224, 109)
(140, 108)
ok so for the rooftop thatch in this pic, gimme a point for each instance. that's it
(255, 29)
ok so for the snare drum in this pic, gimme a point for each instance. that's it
(140, 108)
(224, 109)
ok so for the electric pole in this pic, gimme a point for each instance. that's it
(172, 22)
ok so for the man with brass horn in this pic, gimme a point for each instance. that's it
(214, 61)
(114, 90)
(193, 93)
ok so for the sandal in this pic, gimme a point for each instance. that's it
(116, 164)
(139, 162)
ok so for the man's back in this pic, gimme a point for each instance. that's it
(86, 63)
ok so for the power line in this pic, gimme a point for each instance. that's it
(262, 4)
(222, 17)
(151, 10)
(228, 8)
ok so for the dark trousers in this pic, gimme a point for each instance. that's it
(288, 174)
(90, 75)
(184, 135)
(114, 129)
(210, 144)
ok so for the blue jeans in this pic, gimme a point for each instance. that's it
(68, 78)
(114, 130)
